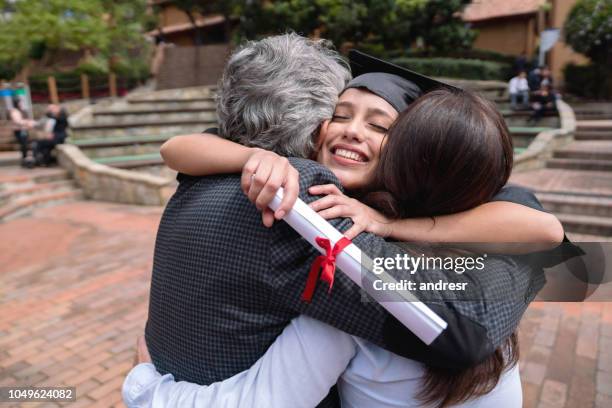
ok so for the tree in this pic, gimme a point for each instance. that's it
(588, 30)
(388, 23)
(110, 28)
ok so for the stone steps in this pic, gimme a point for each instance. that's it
(509, 113)
(171, 100)
(577, 237)
(8, 146)
(146, 122)
(35, 175)
(181, 105)
(527, 130)
(581, 204)
(586, 224)
(586, 214)
(7, 140)
(593, 135)
(152, 119)
(583, 182)
(34, 189)
(594, 125)
(129, 132)
(596, 150)
(580, 164)
(117, 141)
(142, 108)
(523, 121)
(9, 158)
(593, 115)
(24, 190)
(142, 129)
(148, 116)
(120, 146)
(576, 184)
(591, 150)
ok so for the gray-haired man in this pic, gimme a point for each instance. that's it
(224, 286)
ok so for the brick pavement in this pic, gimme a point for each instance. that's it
(74, 282)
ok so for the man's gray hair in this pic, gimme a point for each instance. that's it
(275, 93)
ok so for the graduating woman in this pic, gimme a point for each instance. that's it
(426, 167)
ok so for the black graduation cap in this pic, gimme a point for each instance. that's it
(397, 85)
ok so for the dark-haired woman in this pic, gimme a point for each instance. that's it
(447, 153)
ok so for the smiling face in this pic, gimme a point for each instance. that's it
(350, 145)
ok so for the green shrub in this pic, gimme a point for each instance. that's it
(476, 54)
(456, 68)
(8, 69)
(37, 50)
(132, 69)
(376, 49)
(93, 66)
(591, 81)
(483, 55)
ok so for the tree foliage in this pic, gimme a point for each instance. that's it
(435, 24)
(588, 29)
(37, 28)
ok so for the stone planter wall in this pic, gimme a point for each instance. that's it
(104, 183)
(542, 147)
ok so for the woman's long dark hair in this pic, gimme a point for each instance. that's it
(448, 152)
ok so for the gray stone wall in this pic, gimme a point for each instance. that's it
(104, 183)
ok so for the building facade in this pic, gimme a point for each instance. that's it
(175, 27)
(512, 27)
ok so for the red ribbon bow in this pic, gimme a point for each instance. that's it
(326, 263)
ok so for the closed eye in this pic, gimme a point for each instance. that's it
(379, 128)
(340, 117)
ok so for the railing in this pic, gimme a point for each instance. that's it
(56, 88)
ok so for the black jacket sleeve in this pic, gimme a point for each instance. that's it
(518, 195)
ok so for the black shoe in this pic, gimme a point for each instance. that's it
(28, 163)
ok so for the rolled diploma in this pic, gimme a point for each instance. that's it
(412, 313)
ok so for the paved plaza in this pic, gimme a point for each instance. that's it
(74, 282)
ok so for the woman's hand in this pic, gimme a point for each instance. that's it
(262, 175)
(335, 205)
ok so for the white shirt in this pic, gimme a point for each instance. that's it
(518, 85)
(298, 370)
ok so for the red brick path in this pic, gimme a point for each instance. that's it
(566, 355)
(74, 282)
